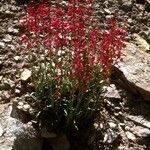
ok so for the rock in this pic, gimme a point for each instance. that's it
(142, 43)
(14, 8)
(107, 11)
(117, 108)
(130, 136)
(8, 38)
(16, 135)
(109, 16)
(1, 131)
(1, 77)
(130, 21)
(8, 12)
(131, 74)
(126, 5)
(1, 64)
(122, 125)
(111, 91)
(2, 45)
(140, 120)
(12, 47)
(17, 91)
(110, 136)
(19, 107)
(25, 75)
(31, 111)
(96, 125)
(20, 103)
(15, 101)
(148, 37)
(21, 113)
(141, 131)
(26, 107)
(12, 30)
(16, 58)
(112, 125)
(135, 29)
(144, 35)
(5, 95)
(8, 83)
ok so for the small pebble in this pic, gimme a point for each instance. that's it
(96, 125)
(122, 124)
(17, 91)
(1, 78)
(112, 125)
(31, 111)
(16, 58)
(29, 124)
(7, 38)
(2, 44)
(20, 103)
(26, 107)
(19, 107)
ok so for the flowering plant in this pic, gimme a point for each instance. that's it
(78, 56)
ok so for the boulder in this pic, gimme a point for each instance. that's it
(133, 73)
(14, 135)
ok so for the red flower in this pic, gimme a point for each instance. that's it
(75, 33)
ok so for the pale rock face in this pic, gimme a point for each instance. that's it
(135, 66)
(14, 134)
(143, 44)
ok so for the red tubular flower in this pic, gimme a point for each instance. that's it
(111, 46)
(74, 31)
